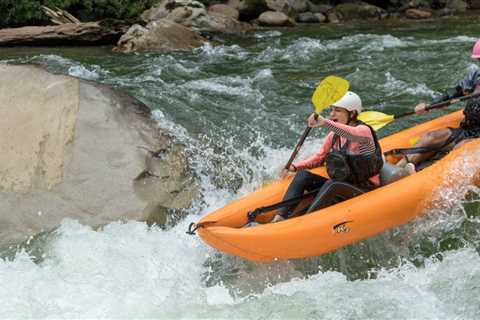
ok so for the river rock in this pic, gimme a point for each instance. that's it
(189, 13)
(274, 19)
(412, 4)
(332, 17)
(456, 6)
(224, 10)
(475, 4)
(248, 9)
(193, 14)
(287, 6)
(228, 25)
(309, 17)
(164, 8)
(159, 36)
(76, 149)
(299, 5)
(417, 14)
(359, 10)
(319, 8)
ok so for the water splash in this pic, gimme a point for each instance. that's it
(303, 49)
(457, 39)
(367, 42)
(80, 71)
(393, 86)
(210, 53)
(71, 67)
(128, 270)
(267, 34)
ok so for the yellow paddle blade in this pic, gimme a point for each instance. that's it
(375, 119)
(330, 90)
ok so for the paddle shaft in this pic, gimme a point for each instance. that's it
(441, 104)
(299, 145)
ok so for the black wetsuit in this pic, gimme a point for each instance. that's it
(330, 190)
(469, 129)
(466, 85)
(470, 126)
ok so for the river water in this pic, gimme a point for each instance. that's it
(240, 106)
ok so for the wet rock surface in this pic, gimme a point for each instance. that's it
(77, 149)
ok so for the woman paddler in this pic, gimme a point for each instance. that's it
(351, 153)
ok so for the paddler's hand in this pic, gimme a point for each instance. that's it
(313, 120)
(420, 108)
(288, 172)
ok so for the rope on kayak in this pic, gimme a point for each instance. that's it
(192, 227)
(252, 215)
(191, 231)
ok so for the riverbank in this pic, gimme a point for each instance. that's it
(185, 24)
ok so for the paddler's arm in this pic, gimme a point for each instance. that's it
(313, 161)
(466, 86)
(359, 133)
(316, 159)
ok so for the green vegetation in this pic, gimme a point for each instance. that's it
(14, 13)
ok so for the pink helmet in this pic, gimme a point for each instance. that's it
(476, 50)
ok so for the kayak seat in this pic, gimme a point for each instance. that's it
(391, 173)
(333, 192)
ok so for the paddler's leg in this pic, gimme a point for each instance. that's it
(303, 181)
(333, 192)
(436, 137)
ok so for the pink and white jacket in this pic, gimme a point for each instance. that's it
(361, 142)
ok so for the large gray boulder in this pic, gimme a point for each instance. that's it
(159, 36)
(75, 149)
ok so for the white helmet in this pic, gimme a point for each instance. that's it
(350, 101)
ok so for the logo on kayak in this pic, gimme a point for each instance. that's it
(341, 227)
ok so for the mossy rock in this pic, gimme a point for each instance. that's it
(359, 10)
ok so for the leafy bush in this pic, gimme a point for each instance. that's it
(15, 13)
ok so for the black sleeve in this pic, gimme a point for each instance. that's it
(449, 94)
(465, 86)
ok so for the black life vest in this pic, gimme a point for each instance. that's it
(471, 120)
(353, 168)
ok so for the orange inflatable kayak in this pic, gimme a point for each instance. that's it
(341, 224)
